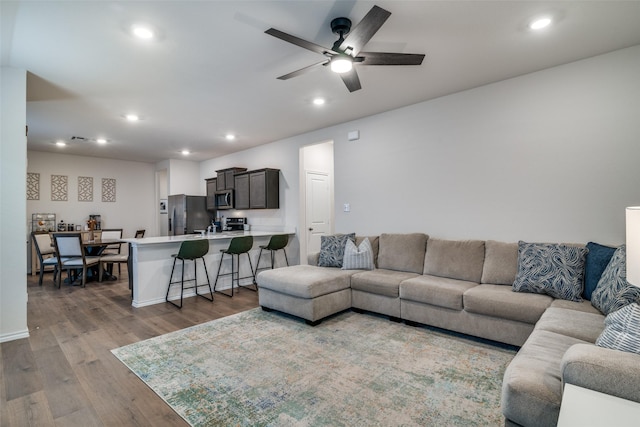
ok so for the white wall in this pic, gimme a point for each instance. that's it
(134, 208)
(549, 156)
(183, 177)
(13, 175)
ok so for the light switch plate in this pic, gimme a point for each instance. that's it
(346, 207)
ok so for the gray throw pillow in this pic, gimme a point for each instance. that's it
(553, 269)
(613, 292)
(622, 330)
(332, 249)
(358, 257)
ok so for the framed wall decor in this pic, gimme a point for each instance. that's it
(163, 206)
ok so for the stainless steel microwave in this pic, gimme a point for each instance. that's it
(224, 199)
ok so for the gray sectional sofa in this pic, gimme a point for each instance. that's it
(465, 286)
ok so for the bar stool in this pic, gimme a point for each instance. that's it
(277, 242)
(237, 247)
(194, 250)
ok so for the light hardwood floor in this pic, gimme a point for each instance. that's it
(65, 375)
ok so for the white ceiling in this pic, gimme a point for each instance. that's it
(213, 70)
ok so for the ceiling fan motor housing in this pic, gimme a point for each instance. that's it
(341, 26)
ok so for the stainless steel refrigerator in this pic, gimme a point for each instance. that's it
(188, 213)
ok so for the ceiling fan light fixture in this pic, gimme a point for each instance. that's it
(341, 64)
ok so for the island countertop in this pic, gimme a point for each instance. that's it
(151, 263)
(209, 236)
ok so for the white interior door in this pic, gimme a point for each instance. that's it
(318, 209)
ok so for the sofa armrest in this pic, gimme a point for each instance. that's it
(608, 371)
(312, 258)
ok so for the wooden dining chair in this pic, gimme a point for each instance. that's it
(46, 254)
(112, 253)
(71, 256)
(139, 234)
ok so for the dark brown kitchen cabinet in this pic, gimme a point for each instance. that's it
(211, 192)
(264, 189)
(242, 190)
(258, 189)
(225, 178)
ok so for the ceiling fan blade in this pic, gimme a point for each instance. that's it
(303, 70)
(351, 80)
(299, 42)
(362, 33)
(382, 58)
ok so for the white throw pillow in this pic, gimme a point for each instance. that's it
(358, 257)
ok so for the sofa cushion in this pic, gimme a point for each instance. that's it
(500, 263)
(434, 290)
(380, 281)
(622, 330)
(305, 281)
(576, 324)
(583, 305)
(358, 257)
(613, 292)
(455, 259)
(402, 252)
(332, 249)
(532, 385)
(553, 269)
(597, 260)
(500, 301)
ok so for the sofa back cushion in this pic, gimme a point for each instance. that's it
(455, 259)
(500, 263)
(402, 252)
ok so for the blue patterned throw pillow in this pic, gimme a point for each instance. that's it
(622, 330)
(332, 249)
(613, 292)
(358, 257)
(553, 269)
(597, 260)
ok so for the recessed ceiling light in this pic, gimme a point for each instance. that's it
(185, 152)
(101, 141)
(132, 117)
(61, 143)
(319, 101)
(540, 23)
(142, 32)
(230, 137)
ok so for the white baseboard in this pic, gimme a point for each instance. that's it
(14, 336)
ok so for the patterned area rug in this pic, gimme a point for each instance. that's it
(256, 368)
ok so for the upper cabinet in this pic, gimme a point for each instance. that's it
(211, 193)
(258, 189)
(225, 178)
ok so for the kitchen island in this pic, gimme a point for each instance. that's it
(151, 263)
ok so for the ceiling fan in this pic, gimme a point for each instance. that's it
(347, 52)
